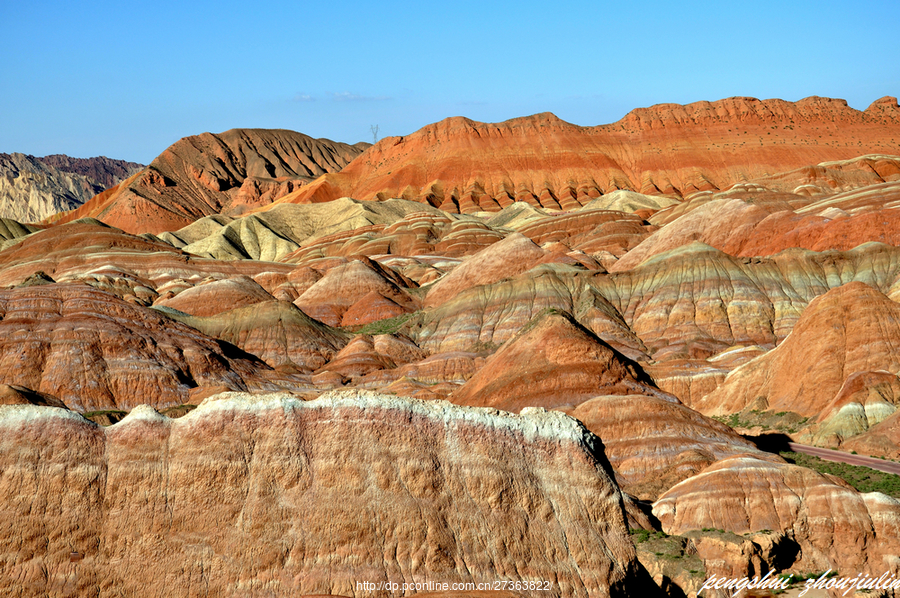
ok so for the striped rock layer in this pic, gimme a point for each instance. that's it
(465, 166)
(835, 526)
(210, 174)
(262, 495)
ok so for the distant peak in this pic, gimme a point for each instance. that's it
(885, 102)
(743, 108)
(456, 124)
(541, 117)
(821, 100)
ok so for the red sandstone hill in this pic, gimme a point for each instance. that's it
(833, 205)
(838, 366)
(439, 305)
(463, 165)
(270, 495)
(834, 526)
(209, 174)
(553, 362)
(94, 351)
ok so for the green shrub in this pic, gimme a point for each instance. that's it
(863, 479)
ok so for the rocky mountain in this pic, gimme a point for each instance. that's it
(278, 495)
(211, 174)
(102, 170)
(552, 362)
(464, 166)
(838, 366)
(96, 352)
(693, 315)
(32, 189)
(278, 332)
(745, 494)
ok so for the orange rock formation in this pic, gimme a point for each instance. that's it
(553, 362)
(211, 174)
(848, 330)
(465, 166)
(268, 494)
(835, 526)
(741, 255)
(94, 351)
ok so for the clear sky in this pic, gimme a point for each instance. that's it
(127, 79)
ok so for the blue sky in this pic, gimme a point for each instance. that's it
(127, 79)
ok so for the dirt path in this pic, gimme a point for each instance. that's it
(842, 457)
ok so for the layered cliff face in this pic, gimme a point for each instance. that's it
(844, 343)
(758, 221)
(94, 351)
(253, 495)
(668, 149)
(553, 362)
(835, 526)
(211, 174)
(745, 281)
(32, 189)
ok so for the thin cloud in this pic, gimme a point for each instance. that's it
(346, 96)
(304, 97)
